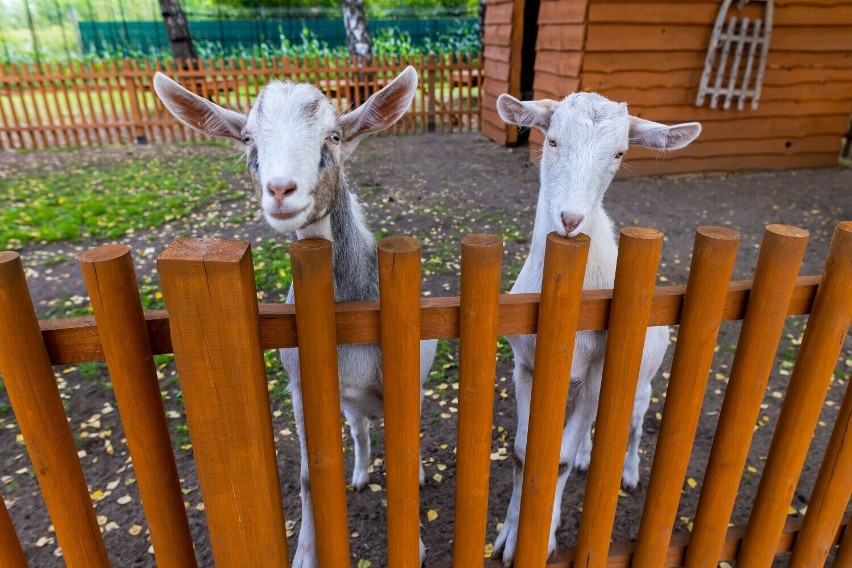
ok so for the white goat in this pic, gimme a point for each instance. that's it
(586, 137)
(296, 144)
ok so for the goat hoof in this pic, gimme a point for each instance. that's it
(504, 546)
(360, 479)
(630, 480)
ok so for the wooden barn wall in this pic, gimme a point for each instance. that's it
(559, 54)
(497, 40)
(651, 55)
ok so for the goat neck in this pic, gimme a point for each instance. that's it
(353, 245)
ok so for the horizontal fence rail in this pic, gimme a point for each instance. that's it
(217, 332)
(72, 340)
(113, 102)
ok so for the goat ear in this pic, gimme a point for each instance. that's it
(527, 114)
(661, 137)
(198, 113)
(381, 110)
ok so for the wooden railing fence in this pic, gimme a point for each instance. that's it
(79, 104)
(217, 331)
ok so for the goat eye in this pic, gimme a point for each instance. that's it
(552, 142)
(619, 155)
(247, 138)
(334, 137)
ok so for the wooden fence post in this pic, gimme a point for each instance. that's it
(559, 309)
(713, 255)
(399, 296)
(13, 552)
(314, 294)
(430, 92)
(136, 112)
(844, 553)
(774, 280)
(821, 345)
(112, 286)
(28, 376)
(635, 275)
(830, 495)
(481, 258)
(211, 298)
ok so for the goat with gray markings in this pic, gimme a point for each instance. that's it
(295, 145)
(586, 138)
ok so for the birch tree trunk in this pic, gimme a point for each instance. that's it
(177, 30)
(357, 33)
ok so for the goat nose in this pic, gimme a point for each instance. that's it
(279, 189)
(571, 222)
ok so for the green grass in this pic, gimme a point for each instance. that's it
(272, 271)
(96, 201)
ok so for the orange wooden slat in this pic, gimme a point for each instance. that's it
(399, 294)
(72, 115)
(621, 552)
(211, 298)
(10, 545)
(481, 257)
(25, 89)
(821, 345)
(844, 553)
(713, 255)
(9, 120)
(561, 287)
(112, 286)
(777, 266)
(74, 340)
(314, 293)
(29, 380)
(636, 270)
(45, 89)
(830, 495)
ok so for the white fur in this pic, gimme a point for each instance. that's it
(284, 136)
(590, 135)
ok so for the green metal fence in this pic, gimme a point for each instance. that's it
(142, 35)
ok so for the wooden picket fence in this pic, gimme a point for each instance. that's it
(80, 104)
(217, 331)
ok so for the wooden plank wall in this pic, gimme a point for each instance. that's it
(497, 51)
(651, 54)
(559, 48)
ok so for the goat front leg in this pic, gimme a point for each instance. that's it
(575, 439)
(359, 426)
(306, 552)
(427, 357)
(630, 471)
(507, 539)
(656, 344)
(584, 453)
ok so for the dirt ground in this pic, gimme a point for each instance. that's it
(437, 188)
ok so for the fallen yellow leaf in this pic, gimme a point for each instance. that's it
(489, 550)
(431, 515)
